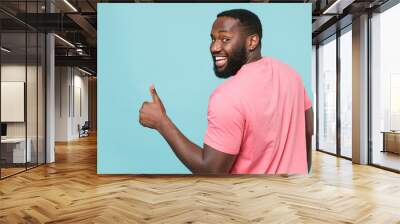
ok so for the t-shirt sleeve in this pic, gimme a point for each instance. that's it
(225, 125)
(307, 101)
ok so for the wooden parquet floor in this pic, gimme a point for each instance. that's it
(70, 191)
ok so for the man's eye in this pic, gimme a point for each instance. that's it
(225, 40)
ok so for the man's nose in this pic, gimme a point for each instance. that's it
(215, 47)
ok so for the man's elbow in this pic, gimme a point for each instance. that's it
(213, 170)
(218, 171)
(310, 132)
(309, 122)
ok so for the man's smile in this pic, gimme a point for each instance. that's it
(220, 61)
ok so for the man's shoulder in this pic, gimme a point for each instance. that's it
(280, 64)
(285, 69)
(265, 64)
(225, 88)
(227, 92)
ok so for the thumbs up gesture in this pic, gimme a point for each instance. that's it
(151, 114)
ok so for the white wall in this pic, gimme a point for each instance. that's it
(71, 94)
(80, 84)
(62, 81)
(15, 72)
(33, 127)
(11, 73)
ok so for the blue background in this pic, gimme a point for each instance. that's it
(168, 45)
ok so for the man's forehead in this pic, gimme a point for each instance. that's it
(226, 24)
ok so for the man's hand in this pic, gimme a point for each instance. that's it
(198, 160)
(151, 114)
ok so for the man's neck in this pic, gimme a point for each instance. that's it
(254, 57)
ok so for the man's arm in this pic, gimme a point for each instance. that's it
(309, 133)
(198, 160)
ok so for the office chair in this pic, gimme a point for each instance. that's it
(84, 130)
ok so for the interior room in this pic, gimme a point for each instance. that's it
(49, 129)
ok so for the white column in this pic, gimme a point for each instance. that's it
(360, 90)
(50, 92)
(50, 100)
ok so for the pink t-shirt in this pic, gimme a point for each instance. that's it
(259, 115)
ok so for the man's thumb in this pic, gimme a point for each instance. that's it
(154, 95)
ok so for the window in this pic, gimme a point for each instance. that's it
(385, 89)
(346, 93)
(327, 96)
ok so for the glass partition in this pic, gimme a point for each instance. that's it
(32, 95)
(14, 153)
(22, 77)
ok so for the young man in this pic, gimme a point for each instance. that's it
(260, 119)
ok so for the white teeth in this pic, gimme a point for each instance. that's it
(220, 58)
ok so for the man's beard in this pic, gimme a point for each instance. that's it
(235, 62)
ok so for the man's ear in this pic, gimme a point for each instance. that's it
(252, 42)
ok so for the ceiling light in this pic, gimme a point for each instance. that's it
(5, 50)
(84, 71)
(65, 41)
(70, 5)
(337, 7)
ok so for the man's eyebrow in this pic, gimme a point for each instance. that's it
(220, 31)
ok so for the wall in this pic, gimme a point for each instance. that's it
(80, 109)
(17, 73)
(71, 102)
(180, 65)
(92, 87)
(14, 73)
(34, 125)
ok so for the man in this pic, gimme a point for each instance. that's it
(258, 119)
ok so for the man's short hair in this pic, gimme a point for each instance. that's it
(250, 21)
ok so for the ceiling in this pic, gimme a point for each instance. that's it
(76, 22)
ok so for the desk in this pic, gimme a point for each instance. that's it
(391, 141)
(15, 148)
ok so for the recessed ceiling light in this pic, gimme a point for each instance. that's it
(71, 6)
(337, 7)
(5, 50)
(84, 71)
(64, 40)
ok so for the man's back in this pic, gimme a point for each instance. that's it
(258, 114)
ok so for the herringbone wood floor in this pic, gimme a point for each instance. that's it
(70, 191)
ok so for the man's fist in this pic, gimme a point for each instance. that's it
(151, 114)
